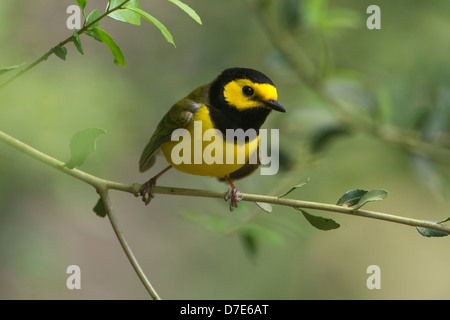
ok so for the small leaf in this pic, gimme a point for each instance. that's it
(301, 184)
(156, 23)
(92, 34)
(351, 197)
(125, 15)
(119, 59)
(320, 222)
(61, 52)
(6, 69)
(82, 4)
(357, 198)
(113, 4)
(94, 15)
(77, 42)
(373, 195)
(427, 232)
(191, 12)
(99, 208)
(264, 206)
(82, 144)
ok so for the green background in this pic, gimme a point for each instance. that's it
(46, 217)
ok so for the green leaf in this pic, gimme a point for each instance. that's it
(92, 34)
(301, 184)
(156, 23)
(320, 222)
(6, 69)
(113, 4)
(82, 144)
(351, 197)
(188, 10)
(77, 42)
(119, 59)
(427, 232)
(61, 52)
(91, 18)
(99, 208)
(264, 206)
(82, 4)
(357, 198)
(373, 195)
(125, 15)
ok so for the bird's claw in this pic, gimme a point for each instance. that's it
(234, 197)
(147, 191)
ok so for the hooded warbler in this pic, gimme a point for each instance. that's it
(239, 98)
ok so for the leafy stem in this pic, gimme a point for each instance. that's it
(61, 44)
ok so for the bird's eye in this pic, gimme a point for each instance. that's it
(247, 91)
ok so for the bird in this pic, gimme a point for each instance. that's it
(238, 98)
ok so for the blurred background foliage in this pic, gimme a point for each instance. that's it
(317, 52)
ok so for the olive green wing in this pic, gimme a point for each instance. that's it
(179, 116)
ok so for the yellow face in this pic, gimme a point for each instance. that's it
(244, 94)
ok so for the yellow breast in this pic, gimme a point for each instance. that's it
(203, 150)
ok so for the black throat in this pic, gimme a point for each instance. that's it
(226, 117)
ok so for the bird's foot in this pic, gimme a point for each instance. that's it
(234, 197)
(147, 190)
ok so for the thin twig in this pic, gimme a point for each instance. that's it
(306, 205)
(104, 194)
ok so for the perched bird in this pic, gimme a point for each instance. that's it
(239, 98)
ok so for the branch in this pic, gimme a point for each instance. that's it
(123, 242)
(103, 185)
(306, 205)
